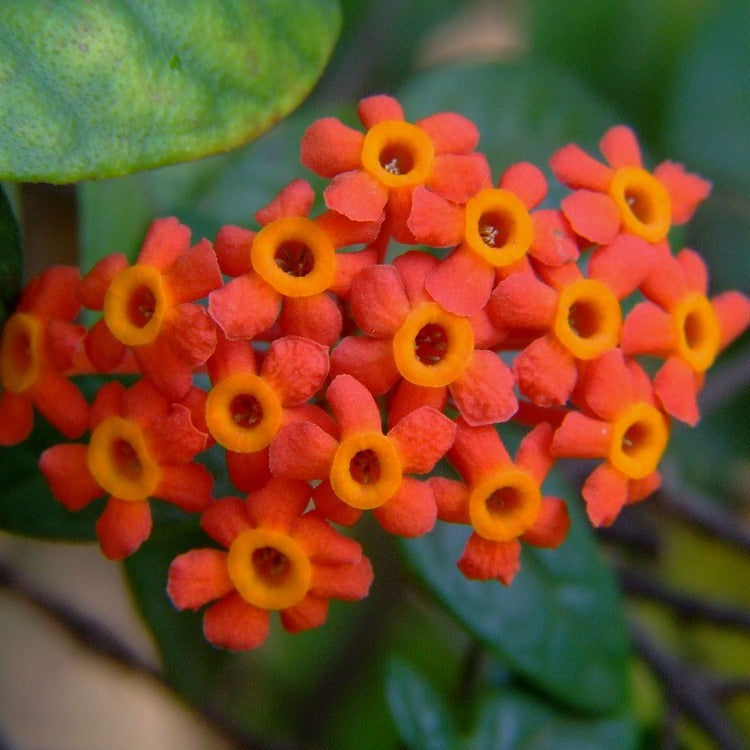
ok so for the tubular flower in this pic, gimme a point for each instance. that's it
(679, 323)
(621, 423)
(149, 307)
(278, 558)
(246, 408)
(365, 469)
(40, 346)
(374, 174)
(413, 341)
(493, 231)
(141, 446)
(622, 196)
(579, 317)
(500, 499)
(288, 269)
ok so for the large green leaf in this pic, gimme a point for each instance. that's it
(512, 720)
(560, 624)
(109, 87)
(11, 259)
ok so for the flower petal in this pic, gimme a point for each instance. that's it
(234, 624)
(348, 582)
(378, 108)
(406, 397)
(323, 544)
(123, 527)
(165, 240)
(676, 387)
(16, 417)
(317, 317)
(232, 247)
(238, 320)
(620, 147)
(647, 329)
(450, 133)
(622, 265)
(328, 504)
(357, 195)
(368, 360)
(198, 577)
(378, 301)
(302, 450)
(248, 471)
(186, 485)
(193, 274)
(279, 503)
(451, 499)
(294, 199)
(546, 372)
(576, 169)
(482, 560)
(410, 512)
(534, 452)
(608, 384)
(329, 147)
(311, 612)
(65, 467)
(458, 177)
(103, 349)
(553, 242)
(96, 282)
(605, 492)
(62, 403)
(353, 405)
(225, 520)
(462, 282)
(526, 181)
(733, 311)
(484, 392)
(422, 438)
(295, 368)
(580, 436)
(434, 220)
(686, 191)
(551, 525)
(594, 216)
(522, 301)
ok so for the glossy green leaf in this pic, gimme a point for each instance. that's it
(421, 715)
(109, 87)
(515, 721)
(11, 259)
(560, 624)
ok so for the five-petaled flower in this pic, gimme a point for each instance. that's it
(620, 422)
(493, 233)
(500, 499)
(413, 343)
(39, 348)
(141, 446)
(246, 408)
(149, 307)
(365, 469)
(622, 196)
(373, 175)
(278, 558)
(288, 269)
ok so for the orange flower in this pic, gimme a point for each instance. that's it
(621, 196)
(141, 446)
(366, 469)
(500, 499)
(40, 346)
(621, 423)
(148, 307)
(494, 231)
(279, 559)
(245, 408)
(414, 342)
(289, 269)
(680, 324)
(374, 174)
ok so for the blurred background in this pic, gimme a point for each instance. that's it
(412, 666)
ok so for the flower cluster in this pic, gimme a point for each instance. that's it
(340, 380)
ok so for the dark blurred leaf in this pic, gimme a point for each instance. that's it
(11, 259)
(26, 503)
(107, 88)
(515, 721)
(710, 113)
(422, 716)
(627, 52)
(560, 624)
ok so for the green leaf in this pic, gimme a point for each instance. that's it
(11, 258)
(421, 715)
(109, 87)
(710, 116)
(516, 721)
(560, 624)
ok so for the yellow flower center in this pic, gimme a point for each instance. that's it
(504, 505)
(397, 153)
(698, 332)
(295, 256)
(498, 227)
(119, 460)
(135, 305)
(588, 319)
(366, 470)
(639, 437)
(243, 412)
(433, 347)
(269, 569)
(20, 348)
(645, 207)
